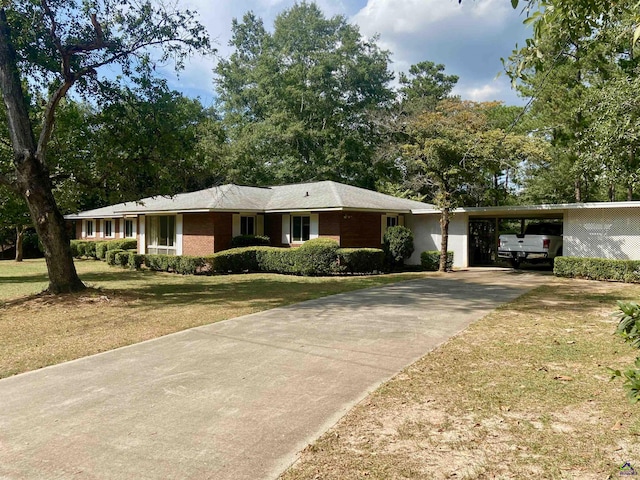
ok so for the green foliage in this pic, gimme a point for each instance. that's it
(425, 86)
(627, 271)
(631, 378)
(398, 244)
(250, 241)
(318, 256)
(430, 260)
(629, 322)
(181, 264)
(361, 260)
(114, 257)
(235, 260)
(298, 99)
(321, 257)
(101, 250)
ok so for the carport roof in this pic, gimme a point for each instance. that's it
(531, 209)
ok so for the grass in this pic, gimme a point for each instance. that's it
(126, 307)
(523, 393)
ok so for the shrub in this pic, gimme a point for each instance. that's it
(598, 269)
(250, 241)
(276, 260)
(430, 260)
(235, 260)
(122, 244)
(135, 260)
(318, 256)
(90, 249)
(110, 256)
(628, 315)
(76, 247)
(121, 258)
(101, 250)
(361, 260)
(631, 380)
(398, 244)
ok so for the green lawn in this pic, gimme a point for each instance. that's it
(125, 307)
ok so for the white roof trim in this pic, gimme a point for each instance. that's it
(560, 207)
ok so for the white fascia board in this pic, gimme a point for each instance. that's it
(513, 209)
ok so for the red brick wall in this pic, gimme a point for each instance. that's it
(273, 228)
(197, 234)
(361, 229)
(330, 225)
(223, 231)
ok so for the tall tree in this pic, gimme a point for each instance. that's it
(297, 102)
(54, 45)
(455, 150)
(424, 86)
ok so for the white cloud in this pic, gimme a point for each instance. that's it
(479, 94)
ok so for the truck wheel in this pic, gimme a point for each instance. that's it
(515, 263)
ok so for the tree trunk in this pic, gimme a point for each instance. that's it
(34, 182)
(19, 237)
(444, 243)
(32, 176)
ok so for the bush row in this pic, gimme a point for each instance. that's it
(98, 250)
(314, 257)
(430, 260)
(250, 241)
(598, 269)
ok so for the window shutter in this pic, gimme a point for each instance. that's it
(142, 243)
(84, 229)
(179, 234)
(101, 230)
(260, 225)
(286, 229)
(383, 228)
(401, 220)
(235, 222)
(314, 226)
(121, 225)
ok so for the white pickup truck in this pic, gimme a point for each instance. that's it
(541, 242)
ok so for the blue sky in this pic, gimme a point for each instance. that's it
(469, 39)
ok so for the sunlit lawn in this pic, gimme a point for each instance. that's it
(126, 307)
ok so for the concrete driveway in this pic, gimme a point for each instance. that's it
(236, 399)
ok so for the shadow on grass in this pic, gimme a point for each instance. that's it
(32, 278)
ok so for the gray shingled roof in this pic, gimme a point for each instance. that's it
(303, 196)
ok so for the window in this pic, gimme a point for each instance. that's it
(89, 229)
(108, 228)
(300, 228)
(247, 225)
(128, 229)
(161, 236)
(392, 221)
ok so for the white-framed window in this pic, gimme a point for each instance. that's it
(161, 234)
(89, 228)
(129, 228)
(108, 228)
(300, 228)
(392, 221)
(247, 225)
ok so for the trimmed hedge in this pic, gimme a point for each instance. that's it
(250, 241)
(318, 258)
(361, 260)
(627, 271)
(98, 250)
(430, 260)
(182, 264)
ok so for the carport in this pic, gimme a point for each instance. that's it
(596, 230)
